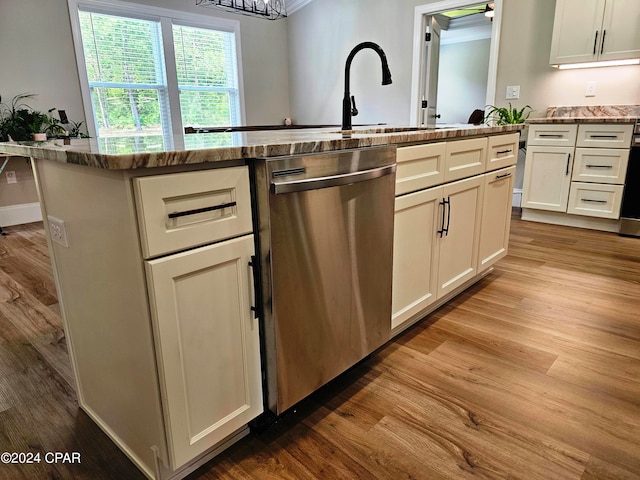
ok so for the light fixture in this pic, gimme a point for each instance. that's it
(488, 10)
(610, 63)
(269, 9)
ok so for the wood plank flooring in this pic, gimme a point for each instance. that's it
(533, 373)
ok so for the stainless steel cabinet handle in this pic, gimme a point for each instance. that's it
(331, 181)
(568, 161)
(257, 300)
(504, 175)
(604, 32)
(551, 135)
(603, 136)
(595, 42)
(599, 166)
(592, 201)
(504, 151)
(201, 210)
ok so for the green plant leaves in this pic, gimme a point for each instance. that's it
(507, 115)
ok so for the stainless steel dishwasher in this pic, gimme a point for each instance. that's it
(325, 242)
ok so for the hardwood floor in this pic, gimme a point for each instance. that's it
(533, 373)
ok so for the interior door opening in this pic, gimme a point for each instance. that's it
(454, 61)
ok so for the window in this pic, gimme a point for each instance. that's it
(150, 72)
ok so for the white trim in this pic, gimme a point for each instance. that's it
(160, 14)
(418, 49)
(293, 5)
(19, 214)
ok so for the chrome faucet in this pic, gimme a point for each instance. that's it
(349, 102)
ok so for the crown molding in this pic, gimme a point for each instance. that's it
(293, 5)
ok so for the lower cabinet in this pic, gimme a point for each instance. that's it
(436, 237)
(547, 178)
(496, 216)
(207, 344)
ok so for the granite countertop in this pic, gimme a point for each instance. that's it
(590, 114)
(157, 151)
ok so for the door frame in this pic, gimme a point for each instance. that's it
(419, 27)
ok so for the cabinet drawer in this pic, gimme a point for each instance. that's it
(604, 135)
(419, 167)
(502, 151)
(595, 200)
(465, 158)
(552, 135)
(600, 165)
(188, 209)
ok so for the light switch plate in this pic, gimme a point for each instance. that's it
(513, 92)
(11, 176)
(590, 90)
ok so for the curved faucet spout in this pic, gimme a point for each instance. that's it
(347, 111)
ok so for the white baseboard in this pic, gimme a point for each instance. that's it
(19, 214)
(517, 197)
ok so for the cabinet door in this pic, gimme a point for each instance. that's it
(600, 165)
(595, 200)
(419, 167)
(458, 246)
(577, 31)
(620, 30)
(417, 217)
(547, 178)
(502, 151)
(465, 158)
(496, 216)
(207, 345)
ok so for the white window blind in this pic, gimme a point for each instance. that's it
(207, 76)
(126, 74)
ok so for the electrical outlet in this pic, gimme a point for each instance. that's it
(57, 231)
(590, 90)
(11, 176)
(513, 92)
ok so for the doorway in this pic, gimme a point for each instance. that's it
(426, 58)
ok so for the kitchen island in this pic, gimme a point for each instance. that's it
(137, 250)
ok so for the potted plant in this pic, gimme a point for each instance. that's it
(507, 115)
(15, 118)
(38, 125)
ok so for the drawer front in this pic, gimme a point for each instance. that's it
(419, 167)
(465, 158)
(553, 135)
(595, 200)
(605, 135)
(185, 210)
(600, 165)
(502, 151)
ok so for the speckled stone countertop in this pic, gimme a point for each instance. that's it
(155, 151)
(590, 114)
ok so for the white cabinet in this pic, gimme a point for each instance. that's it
(208, 344)
(595, 30)
(465, 158)
(547, 177)
(458, 249)
(595, 200)
(165, 348)
(589, 183)
(438, 230)
(419, 167)
(496, 216)
(415, 267)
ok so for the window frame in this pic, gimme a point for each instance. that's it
(167, 18)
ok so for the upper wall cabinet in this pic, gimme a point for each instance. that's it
(595, 30)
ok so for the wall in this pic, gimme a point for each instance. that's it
(321, 36)
(462, 80)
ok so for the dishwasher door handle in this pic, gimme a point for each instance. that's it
(331, 180)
